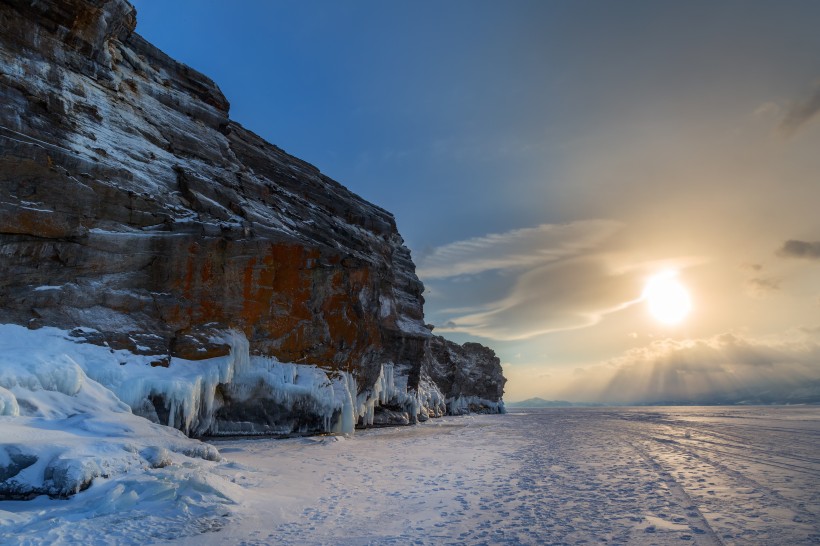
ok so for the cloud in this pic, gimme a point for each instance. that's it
(566, 295)
(516, 249)
(768, 110)
(726, 368)
(535, 281)
(800, 249)
(760, 287)
(800, 112)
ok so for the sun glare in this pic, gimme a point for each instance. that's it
(668, 300)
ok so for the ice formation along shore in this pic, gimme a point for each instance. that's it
(66, 406)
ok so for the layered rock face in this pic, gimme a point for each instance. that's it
(136, 214)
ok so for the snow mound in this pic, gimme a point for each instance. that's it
(199, 397)
(60, 429)
(166, 504)
(66, 406)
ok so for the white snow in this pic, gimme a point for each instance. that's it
(412, 326)
(557, 476)
(60, 429)
(462, 405)
(188, 388)
(48, 287)
(611, 475)
(425, 402)
(65, 408)
(737, 475)
(385, 306)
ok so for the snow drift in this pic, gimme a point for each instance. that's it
(60, 429)
(71, 411)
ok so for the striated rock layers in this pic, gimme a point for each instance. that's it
(136, 215)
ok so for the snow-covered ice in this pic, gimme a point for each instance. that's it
(628, 476)
(739, 475)
(188, 389)
(730, 475)
(34, 363)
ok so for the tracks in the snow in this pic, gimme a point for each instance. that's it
(565, 476)
(741, 479)
(680, 495)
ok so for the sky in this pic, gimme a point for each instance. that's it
(545, 160)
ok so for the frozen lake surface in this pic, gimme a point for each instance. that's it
(706, 475)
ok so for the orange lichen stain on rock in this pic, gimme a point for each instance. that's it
(209, 310)
(206, 272)
(198, 287)
(344, 329)
(252, 308)
(296, 345)
(290, 263)
(349, 327)
(291, 298)
(176, 318)
(276, 289)
(360, 277)
(38, 223)
(190, 270)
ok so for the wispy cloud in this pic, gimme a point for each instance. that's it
(516, 249)
(726, 368)
(800, 249)
(556, 277)
(800, 112)
(567, 295)
(760, 287)
(534, 281)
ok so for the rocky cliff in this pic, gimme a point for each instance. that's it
(245, 290)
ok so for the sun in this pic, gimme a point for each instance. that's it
(668, 300)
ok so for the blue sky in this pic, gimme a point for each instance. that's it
(544, 159)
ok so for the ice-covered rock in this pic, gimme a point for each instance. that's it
(470, 374)
(67, 406)
(244, 291)
(64, 428)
